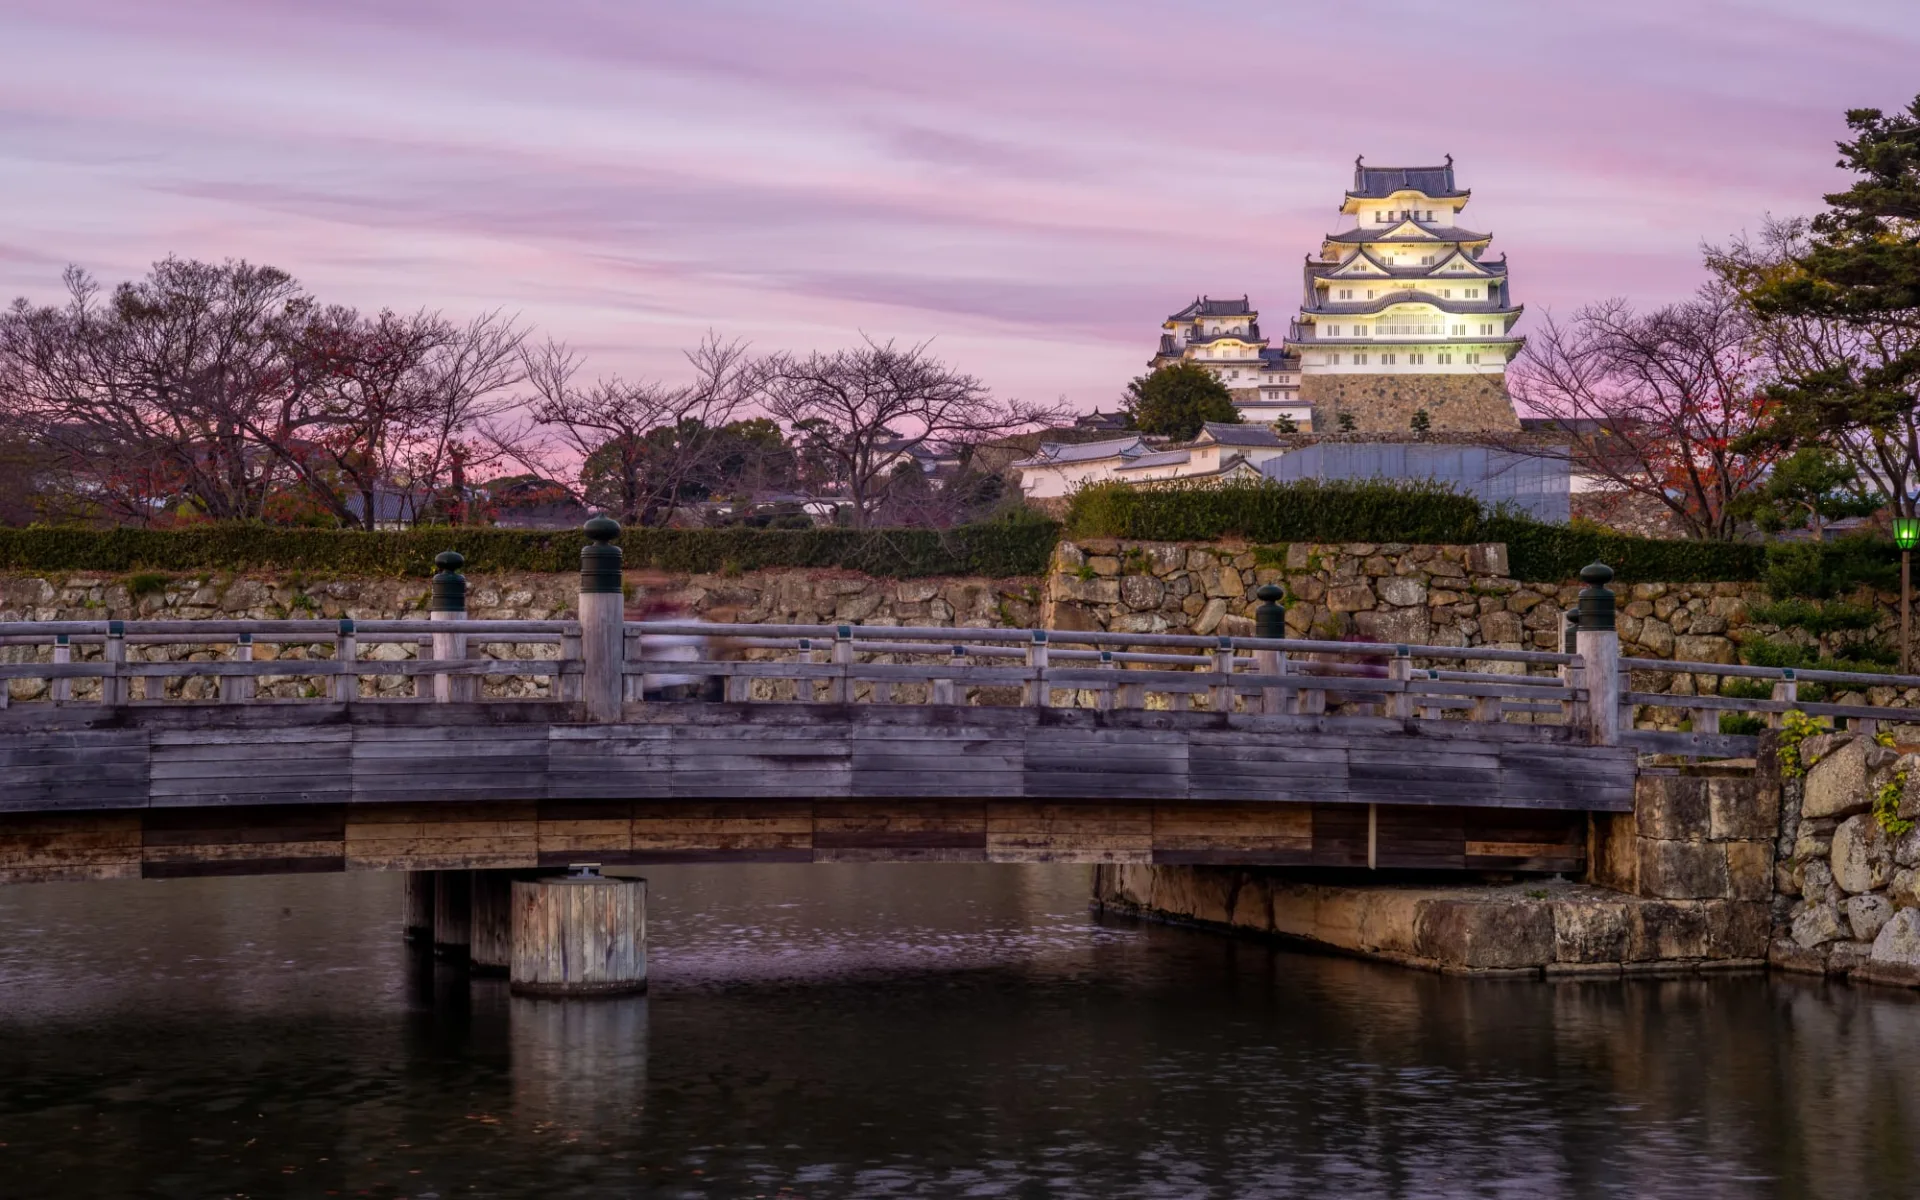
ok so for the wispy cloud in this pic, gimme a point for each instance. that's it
(1037, 182)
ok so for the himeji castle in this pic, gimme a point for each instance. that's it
(1402, 312)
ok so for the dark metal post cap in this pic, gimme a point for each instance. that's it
(600, 559)
(1270, 619)
(449, 585)
(601, 529)
(1595, 610)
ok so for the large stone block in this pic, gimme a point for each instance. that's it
(1683, 870)
(1861, 859)
(1749, 870)
(1590, 931)
(1742, 808)
(1696, 929)
(1837, 784)
(1866, 914)
(1895, 957)
(1486, 936)
(1672, 807)
(1818, 923)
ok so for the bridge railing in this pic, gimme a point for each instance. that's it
(1701, 712)
(119, 662)
(397, 661)
(1093, 669)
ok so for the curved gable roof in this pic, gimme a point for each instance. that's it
(1377, 183)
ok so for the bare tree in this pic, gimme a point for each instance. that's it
(1659, 405)
(643, 447)
(148, 397)
(866, 409)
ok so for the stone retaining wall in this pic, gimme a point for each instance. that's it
(1848, 902)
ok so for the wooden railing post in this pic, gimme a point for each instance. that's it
(1400, 703)
(113, 686)
(1787, 689)
(1220, 695)
(565, 686)
(943, 691)
(1270, 621)
(235, 689)
(1039, 694)
(346, 652)
(603, 648)
(1104, 698)
(840, 688)
(1599, 646)
(62, 689)
(449, 603)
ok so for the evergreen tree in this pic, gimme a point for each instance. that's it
(1422, 424)
(1840, 299)
(1346, 423)
(1175, 400)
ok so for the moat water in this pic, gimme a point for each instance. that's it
(897, 1031)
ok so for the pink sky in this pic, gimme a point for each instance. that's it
(1034, 183)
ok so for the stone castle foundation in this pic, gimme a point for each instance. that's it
(1386, 403)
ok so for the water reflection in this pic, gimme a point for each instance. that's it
(897, 1031)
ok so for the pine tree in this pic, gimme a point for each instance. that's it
(1422, 424)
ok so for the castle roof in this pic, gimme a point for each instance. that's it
(1319, 268)
(1377, 183)
(1399, 233)
(1206, 306)
(1413, 296)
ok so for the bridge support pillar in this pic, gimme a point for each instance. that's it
(452, 913)
(491, 949)
(416, 908)
(580, 935)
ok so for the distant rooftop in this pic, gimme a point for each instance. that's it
(1237, 435)
(1207, 306)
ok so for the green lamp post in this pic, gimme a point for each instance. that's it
(1906, 531)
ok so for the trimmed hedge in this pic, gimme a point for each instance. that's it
(997, 550)
(1312, 511)
(1271, 513)
(1308, 511)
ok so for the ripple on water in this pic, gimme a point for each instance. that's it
(898, 1031)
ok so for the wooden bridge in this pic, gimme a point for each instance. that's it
(165, 748)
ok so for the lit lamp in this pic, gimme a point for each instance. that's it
(1906, 531)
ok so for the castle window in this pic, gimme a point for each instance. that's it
(1369, 293)
(1359, 360)
(1346, 293)
(1334, 359)
(1333, 331)
(1416, 359)
(1443, 358)
(1459, 331)
(1473, 358)
(1446, 293)
(1427, 261)
(1386, 360)
(1473, 293)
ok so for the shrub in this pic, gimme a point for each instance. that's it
(1000, 549)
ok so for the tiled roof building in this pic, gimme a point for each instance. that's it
(1405, 311)
(1224, 336)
